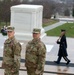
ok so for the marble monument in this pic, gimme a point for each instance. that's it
(26, 17)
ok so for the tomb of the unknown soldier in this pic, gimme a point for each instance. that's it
(26, 17)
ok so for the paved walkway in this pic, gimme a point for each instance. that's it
(61, 21)
(54, 25)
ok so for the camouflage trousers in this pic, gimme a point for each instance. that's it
(8, 71)
(31, 71)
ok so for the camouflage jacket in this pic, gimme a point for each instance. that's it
(35, 54)
(12, 53)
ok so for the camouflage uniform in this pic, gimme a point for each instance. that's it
(35, 57)
(11, 56)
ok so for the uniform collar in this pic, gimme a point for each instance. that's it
(10, 39)
(36, 40)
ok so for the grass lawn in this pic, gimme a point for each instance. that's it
(4, 24)
(47, 22)
(56, 31)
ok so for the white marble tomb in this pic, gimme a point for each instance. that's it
(26, 17)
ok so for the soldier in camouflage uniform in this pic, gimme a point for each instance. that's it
(35, 55)
(11, 54)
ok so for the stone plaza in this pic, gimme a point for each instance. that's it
(52, 49)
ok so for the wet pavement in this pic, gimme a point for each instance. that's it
(52, 49)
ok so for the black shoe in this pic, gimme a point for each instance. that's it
(68, 62)
(56, 62)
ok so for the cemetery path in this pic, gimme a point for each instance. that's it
(61, 21)
(54, 25)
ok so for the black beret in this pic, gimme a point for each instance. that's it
(62, 30)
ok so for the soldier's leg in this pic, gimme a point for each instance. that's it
(16, 71)
(58, 60)
(31, 71)
(41, 73)
(8, 71)
(66, 59)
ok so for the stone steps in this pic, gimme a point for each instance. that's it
(48, 70)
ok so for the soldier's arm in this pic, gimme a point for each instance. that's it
(65, 42)
(58, 42)
(17, 55)
(3, 63)
(41, 57)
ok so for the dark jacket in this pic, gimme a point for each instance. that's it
(62, 46)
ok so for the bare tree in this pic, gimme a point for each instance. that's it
(67, 12)
(48, 9)
(5, 10)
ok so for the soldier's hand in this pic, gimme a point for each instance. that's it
(57, 40)
(12, 71)
(3, 65)
(37, 72)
